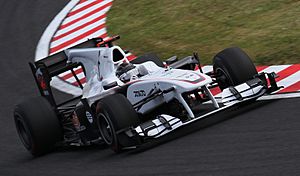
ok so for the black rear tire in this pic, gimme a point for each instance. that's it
(114, 113)
(37, 125)
(233, 67)
(148, 57)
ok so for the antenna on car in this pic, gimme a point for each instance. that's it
(196, 56)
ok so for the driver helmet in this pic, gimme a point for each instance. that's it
(122, 69)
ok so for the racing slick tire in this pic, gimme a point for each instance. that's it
(37, 125)
(148, 57)
(115, 113)
(232, 67)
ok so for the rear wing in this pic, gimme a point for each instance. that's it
(45, 69)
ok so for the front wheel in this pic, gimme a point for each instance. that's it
(115, 113)
(232, 67)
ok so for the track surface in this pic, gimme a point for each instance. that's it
(261, 139)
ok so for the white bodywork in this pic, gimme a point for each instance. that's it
(100, 67)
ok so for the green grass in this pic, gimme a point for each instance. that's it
(268, 30)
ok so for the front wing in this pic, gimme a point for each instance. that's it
(232, 96)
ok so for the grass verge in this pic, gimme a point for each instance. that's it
(268, 30)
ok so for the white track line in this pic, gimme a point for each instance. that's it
(275, 68)
(290, 80)
(42, 49)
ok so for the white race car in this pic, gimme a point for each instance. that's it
(125, 104)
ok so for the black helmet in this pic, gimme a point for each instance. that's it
(124, 68)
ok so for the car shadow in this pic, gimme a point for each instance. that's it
(201, 124)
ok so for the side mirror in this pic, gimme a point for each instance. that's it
(110, 85)
(171, 60)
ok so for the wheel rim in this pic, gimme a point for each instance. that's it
(105, 128)
(223, 79)
(23, 133)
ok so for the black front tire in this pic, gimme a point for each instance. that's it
(115, 113)
(233, 67)
(37, 125)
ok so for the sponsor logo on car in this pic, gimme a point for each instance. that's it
(139, 93)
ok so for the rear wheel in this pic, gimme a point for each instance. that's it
(37, 125)
(233, 67)
(115, 113)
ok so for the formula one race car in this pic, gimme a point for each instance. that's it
(124, 104)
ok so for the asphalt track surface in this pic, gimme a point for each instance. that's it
(258, 139)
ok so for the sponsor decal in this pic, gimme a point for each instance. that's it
(139, 93)
(89, 116)
(41, 81)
